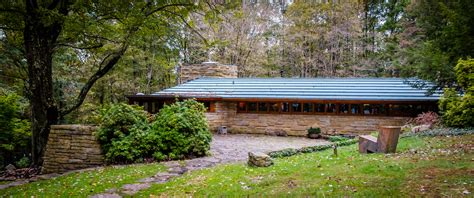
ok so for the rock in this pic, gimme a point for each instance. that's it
(281, 133)
(10, 169)
(259, 159)
(421, 128)
(276, 132)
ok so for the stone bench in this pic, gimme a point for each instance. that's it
(386, 142)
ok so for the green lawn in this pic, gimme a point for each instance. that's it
(423, 167)
(85, 183)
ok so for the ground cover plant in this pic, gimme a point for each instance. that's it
(84, 184)
(423, 166)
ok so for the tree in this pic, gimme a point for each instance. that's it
(436, 35)
(40, 31)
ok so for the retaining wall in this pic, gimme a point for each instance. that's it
(71, 147)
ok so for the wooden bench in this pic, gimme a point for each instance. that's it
(386, 142)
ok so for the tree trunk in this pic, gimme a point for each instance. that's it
(40, 40)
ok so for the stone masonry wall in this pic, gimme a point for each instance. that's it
(71, 147)
(224, 112)
(296, 124)
(207, 69)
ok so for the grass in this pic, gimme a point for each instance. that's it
(4, 182)
(84, 184)
(423, 166)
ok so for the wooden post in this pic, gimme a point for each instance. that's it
(388, 139)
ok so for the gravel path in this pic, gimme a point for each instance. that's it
(224, 149)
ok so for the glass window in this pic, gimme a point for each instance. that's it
(307, 107)
(355, 109)
(331, 108)
(242, 106)
(368, 109)
(285, 107)
(344, 108)
(262, 107)
(380, 109)
(295, 107)
(252, 107)
(320, 108)
(274, 106)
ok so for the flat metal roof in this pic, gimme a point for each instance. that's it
(385, 89)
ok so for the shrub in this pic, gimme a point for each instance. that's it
(442, 132)
(24, 162)
(178, 131)
(427, 118)
(122, 133)
(15, 128)
(310, 149)
(312, 130)
(458, 111)
(337, 138)
(183, 130)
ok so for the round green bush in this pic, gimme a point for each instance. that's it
(122, 133)
(178, 131)
(183, 130)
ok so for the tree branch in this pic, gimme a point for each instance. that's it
(166, 6)
(106, 65)
(83, 47)
(189, 26)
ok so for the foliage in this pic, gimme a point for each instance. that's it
(183, 130)
(427, 118)
(458, 111)
(24, 162)
(47, 43)
(310, 149)
(337, 138)
(465, 74)
(122, 133)
(442, 132)
(436, 34)
(15, 131)
(350, 174)
(85, 183)
(178, 131)
(312, 130)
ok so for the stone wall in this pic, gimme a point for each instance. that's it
(207, 69)
(71, 147)
(296, 124)
(224, 113)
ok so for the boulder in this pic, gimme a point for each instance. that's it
(10, 170)
(421, 128)
(259, 159)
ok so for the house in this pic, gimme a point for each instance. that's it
(266, 105)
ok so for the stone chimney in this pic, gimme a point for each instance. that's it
(206, 69)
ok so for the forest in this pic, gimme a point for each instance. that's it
(60, 60)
